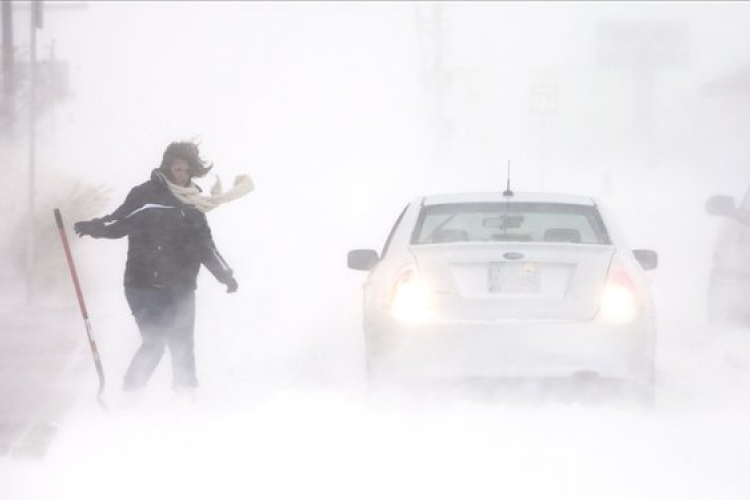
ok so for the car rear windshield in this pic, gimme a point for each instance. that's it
(514, 221)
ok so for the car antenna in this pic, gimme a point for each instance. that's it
(507, 191)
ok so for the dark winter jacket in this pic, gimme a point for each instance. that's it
(167, 239)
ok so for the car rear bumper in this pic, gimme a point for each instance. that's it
(513, 349)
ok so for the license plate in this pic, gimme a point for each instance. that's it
(513, 277)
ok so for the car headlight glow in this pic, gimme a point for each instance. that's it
(618, 300)
(410, 300)
(618, 305)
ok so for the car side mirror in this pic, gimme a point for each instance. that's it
(719, 204)
(648, 259)
(362, 259)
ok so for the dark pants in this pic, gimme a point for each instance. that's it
(166, 319)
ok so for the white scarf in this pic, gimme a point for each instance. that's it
(191, 195)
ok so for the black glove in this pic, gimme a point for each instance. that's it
(93, 228)
(232, 285)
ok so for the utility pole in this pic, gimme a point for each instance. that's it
(36, 22)
(643, 49)
(33, 102)
(436, 71)
(7, 110)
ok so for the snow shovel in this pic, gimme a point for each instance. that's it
(84, 312)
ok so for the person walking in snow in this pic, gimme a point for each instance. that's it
(168, 240)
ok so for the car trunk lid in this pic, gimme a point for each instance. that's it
(510, 280)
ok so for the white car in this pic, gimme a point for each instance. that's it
(502, 285)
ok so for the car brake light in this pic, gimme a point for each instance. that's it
(410, 297)
(618, 303)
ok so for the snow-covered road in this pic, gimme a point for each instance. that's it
(317, 433)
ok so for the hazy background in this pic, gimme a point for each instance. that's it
(342, 112)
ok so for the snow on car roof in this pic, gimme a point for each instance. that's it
(478, 197)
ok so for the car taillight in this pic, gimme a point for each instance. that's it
(410, 298)
(618, 302)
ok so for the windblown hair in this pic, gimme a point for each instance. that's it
(187, 151)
